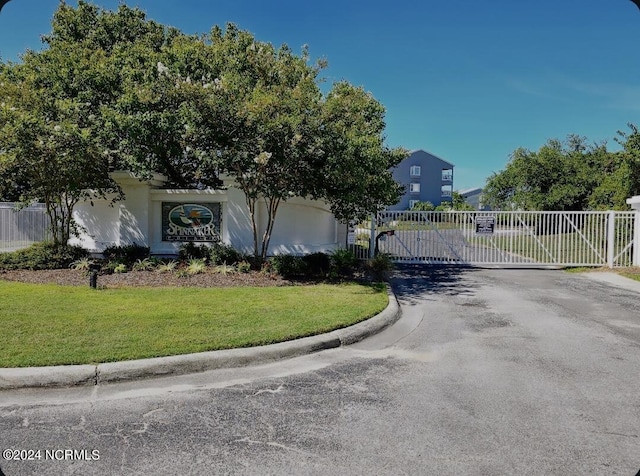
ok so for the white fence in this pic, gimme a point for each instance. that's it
(503, 239)
(20, 228)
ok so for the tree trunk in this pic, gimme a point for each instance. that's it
(272, 208)
(251, 204)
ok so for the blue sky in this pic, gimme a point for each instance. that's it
(463, 80)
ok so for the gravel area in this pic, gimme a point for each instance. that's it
(208, 279)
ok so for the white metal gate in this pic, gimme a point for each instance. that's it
(509, 238)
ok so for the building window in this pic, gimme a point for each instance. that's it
(414, 188)
(446, 191)
(413, 203)
(415, 171)
(447, 175)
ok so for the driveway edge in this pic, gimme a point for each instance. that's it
(78, 375)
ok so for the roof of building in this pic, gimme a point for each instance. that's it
(433, 155)
(470, 191)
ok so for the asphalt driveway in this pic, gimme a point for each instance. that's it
(487, 372)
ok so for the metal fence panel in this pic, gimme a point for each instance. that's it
(503, 238)
(21, 228)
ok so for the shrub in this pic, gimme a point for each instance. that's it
(343, 262)
(120, 268)
(379, 266)
(82, 264)
(190, 251)
(196, 266)
(221, 253)
(318, 264)
(126, 254)
(167, 267)
(244, 266)
(43, 255)
(143, 265)
(288, 266)
(224, 269)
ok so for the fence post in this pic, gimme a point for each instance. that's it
(372, 237)
(635, 258)
(634, 203)
(611, 238)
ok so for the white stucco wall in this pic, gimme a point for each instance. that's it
(302, 226)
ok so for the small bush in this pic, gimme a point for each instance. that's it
(318, 264)
(288, 266)
(196, 266)
(120, 268)
(379, 266)
(43, 255)
(126, 254)
(190, 251)
(224, 269)
(167, 267)
(244, 266)
(143, 265)
(83, 264)
(343, 262)
(221, 253)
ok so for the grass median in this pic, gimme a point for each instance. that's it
(59, 325)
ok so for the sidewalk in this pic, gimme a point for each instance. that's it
(614, 279)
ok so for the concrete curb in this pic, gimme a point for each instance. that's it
(76, 375)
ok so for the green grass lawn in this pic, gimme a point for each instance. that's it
(58, 325)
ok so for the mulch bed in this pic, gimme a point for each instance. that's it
(208, 279)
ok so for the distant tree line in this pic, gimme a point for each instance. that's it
(457, 203)
(569, 175)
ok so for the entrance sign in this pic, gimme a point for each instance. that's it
(485, 225)
(191, 221)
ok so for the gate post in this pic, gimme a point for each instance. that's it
(634, 202)
(372, 237)
(636, 240)
(611, 238)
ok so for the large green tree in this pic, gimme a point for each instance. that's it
(139, 96)
(48, 148)
(570, 175)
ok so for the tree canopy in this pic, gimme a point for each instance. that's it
(569, 175)
(128, 93)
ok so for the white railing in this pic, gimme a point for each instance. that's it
(21, 228)
(510, 238)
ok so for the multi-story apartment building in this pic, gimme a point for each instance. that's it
(426, 177)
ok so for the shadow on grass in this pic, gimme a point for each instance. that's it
(413, 283)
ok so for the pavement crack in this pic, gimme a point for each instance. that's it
(152, 412)
(273, 444)
(619, 434)
(268, 390)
